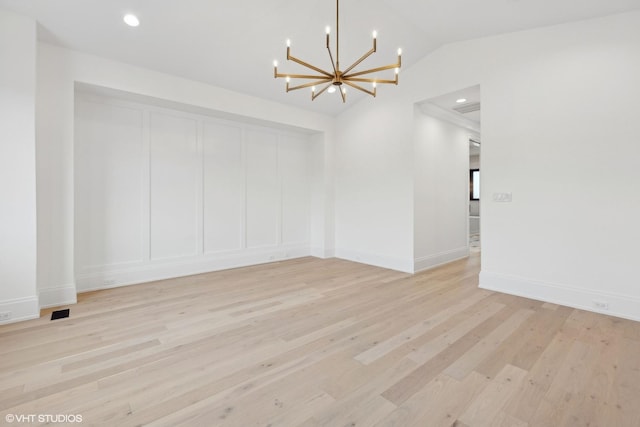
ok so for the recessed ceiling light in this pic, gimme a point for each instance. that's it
(131, 20)
(461, 100)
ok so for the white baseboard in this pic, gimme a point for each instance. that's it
(432, 261)
(322, 253)
(54, 297)
(623, 306)
(114, 276)
(20, 309)
(392, 263)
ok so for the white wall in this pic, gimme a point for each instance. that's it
(58, 71)
(163, 193)
(17, 167)
(441, 191)
(374, 184)
(322, 197)
(564, 97)
(474, 162)
(559, 131)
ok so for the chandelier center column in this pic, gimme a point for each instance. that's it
(338, 35)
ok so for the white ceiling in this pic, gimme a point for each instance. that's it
(450, 102)
(232, 44)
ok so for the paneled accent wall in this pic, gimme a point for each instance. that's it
(163, 193)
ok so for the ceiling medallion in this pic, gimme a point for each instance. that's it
(337, 78)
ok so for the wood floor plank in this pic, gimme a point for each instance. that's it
(569, 385)
(528, 398)
(487, 345)
(433, 347)
(417, 330)
(487, 406)
(525, 345)
(312, 342)
(414, 409)
(622, 403)
(505, 420)
(446, 408)
(412, 383)
(592, 405)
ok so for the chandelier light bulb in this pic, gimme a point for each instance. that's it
(397, 70)
(373, 84)
(399, 51)
(327, 29)
(288, 79)
(313, 88)
(375, 34)
(288, 42)
(331, 89)
(275, 63)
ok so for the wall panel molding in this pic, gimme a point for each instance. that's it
(214, 193)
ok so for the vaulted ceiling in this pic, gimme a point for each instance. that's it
(232, 44)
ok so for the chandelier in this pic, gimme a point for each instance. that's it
(336, 78)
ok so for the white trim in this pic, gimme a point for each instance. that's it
(392, 263)
(54, 297)
(167, 269)
(435, 260)
(453, 118)
(322, 253)
(623, 306)
(21, 309)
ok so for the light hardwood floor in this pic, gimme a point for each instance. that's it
(312, 342)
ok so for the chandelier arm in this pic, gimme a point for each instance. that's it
(355, 64)
(302, 86)
(303, 76)
(363, 80)
(305, 64)
(333, 64)
(360, 88)
(343, 95)
(315, 95)
(373, 70)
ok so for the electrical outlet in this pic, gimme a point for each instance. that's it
(4, 316)
(601, 305)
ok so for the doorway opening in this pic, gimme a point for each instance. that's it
(474, 194)
(461, 109)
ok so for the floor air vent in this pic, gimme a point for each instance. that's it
(60, 314)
